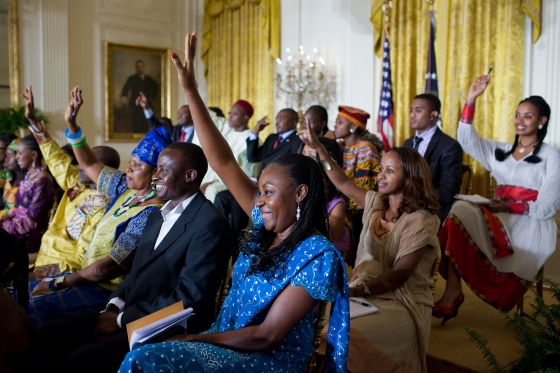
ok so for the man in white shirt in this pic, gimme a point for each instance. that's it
(182, 256)
(443, 153)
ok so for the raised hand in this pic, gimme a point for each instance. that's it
(186, 72)
(29, 105)
(142, 101)
(76, 102)
(308, 136)
(478, 87)
(261, 124)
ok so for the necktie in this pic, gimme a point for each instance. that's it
(277, 142)
(417, 141)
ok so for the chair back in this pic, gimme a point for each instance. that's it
(466, 185)
(435, 271)
(318, 326)
(491, 186)
(223, 291)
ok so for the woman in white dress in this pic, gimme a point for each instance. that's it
(498, 249)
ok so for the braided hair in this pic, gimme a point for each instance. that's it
(256, 244)
(544, 111)
(31, 144)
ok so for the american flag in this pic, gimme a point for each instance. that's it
(385, 117)
(431, 76)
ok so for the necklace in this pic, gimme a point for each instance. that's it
(522, 150)
(28, 178)
(127, 206)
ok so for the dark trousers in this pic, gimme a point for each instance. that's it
(238, 219)
(71, 346)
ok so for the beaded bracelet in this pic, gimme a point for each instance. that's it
(80, 144)
(52, 288)
(75, 136)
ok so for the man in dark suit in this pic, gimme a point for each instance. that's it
(139, 82)
(182, 256)
(285, 140)
(182, 132)
(443, 154)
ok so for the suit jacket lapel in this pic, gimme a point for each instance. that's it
(151, 231)
(432, 145)
(178, 228)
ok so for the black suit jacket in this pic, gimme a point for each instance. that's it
(266, 154)
(188, 265)
(445, 157)
(173, 131)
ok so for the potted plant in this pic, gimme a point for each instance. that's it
(14, 121)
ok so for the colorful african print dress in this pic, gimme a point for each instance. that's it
(361, 165)
(498, 254)
(317, 266)
(117, 237)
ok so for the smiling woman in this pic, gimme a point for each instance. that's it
(285, 268)
(110, 253)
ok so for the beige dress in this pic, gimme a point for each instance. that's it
(401, 330)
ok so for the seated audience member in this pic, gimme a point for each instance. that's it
(224, 201)
(14, 175)
(70, 232)
(361, 155)
(336, 206)
(29, 217)
(498, 249)
(398, 246)
(443, 154)
(19, 351)
(289, 226)
(111, 251)
(318, 118)
(183, 131)
(284, 141)
(182, 256)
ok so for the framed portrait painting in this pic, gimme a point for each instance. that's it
(129, 70)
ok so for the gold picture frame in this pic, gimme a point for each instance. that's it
(128, 70)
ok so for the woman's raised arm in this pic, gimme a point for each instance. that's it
(215, 147)
(87, 160)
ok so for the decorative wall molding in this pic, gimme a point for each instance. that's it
(149, 10)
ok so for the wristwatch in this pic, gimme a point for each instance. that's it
(60, 283)
(366, 289)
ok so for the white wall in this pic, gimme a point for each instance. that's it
(343, 34)
(62, 46)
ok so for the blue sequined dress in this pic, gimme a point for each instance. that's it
(316, 265)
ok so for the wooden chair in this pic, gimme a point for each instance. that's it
(223, 291)
(466, 185)
(539, 293)
(313, 367)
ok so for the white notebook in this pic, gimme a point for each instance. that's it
(157, 328)
(474, 198)
(360, 306)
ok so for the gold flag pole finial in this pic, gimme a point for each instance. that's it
(431, 2)
(386, 9)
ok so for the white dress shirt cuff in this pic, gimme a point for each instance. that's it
(117, 302)
(253, 137)
(119, 320)
(148, 113)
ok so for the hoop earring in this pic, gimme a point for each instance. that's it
(153, 185)
(540, 126)
(298, 212)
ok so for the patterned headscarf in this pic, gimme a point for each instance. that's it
(354, 115)
(151, 145)
(13, 145)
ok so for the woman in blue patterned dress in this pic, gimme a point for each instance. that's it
(285, 267)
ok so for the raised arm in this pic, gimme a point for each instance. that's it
(215, 147)
(337, 176)
(87, 160)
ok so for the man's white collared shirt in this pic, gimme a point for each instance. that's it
(426, 138)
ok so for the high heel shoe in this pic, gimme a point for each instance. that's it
(447, 313)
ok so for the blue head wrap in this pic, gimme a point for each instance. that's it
(151, 145)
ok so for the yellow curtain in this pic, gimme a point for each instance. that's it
(532, 8)
(241, 39)
(470, 36)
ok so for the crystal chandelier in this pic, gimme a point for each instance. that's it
(305, 81)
